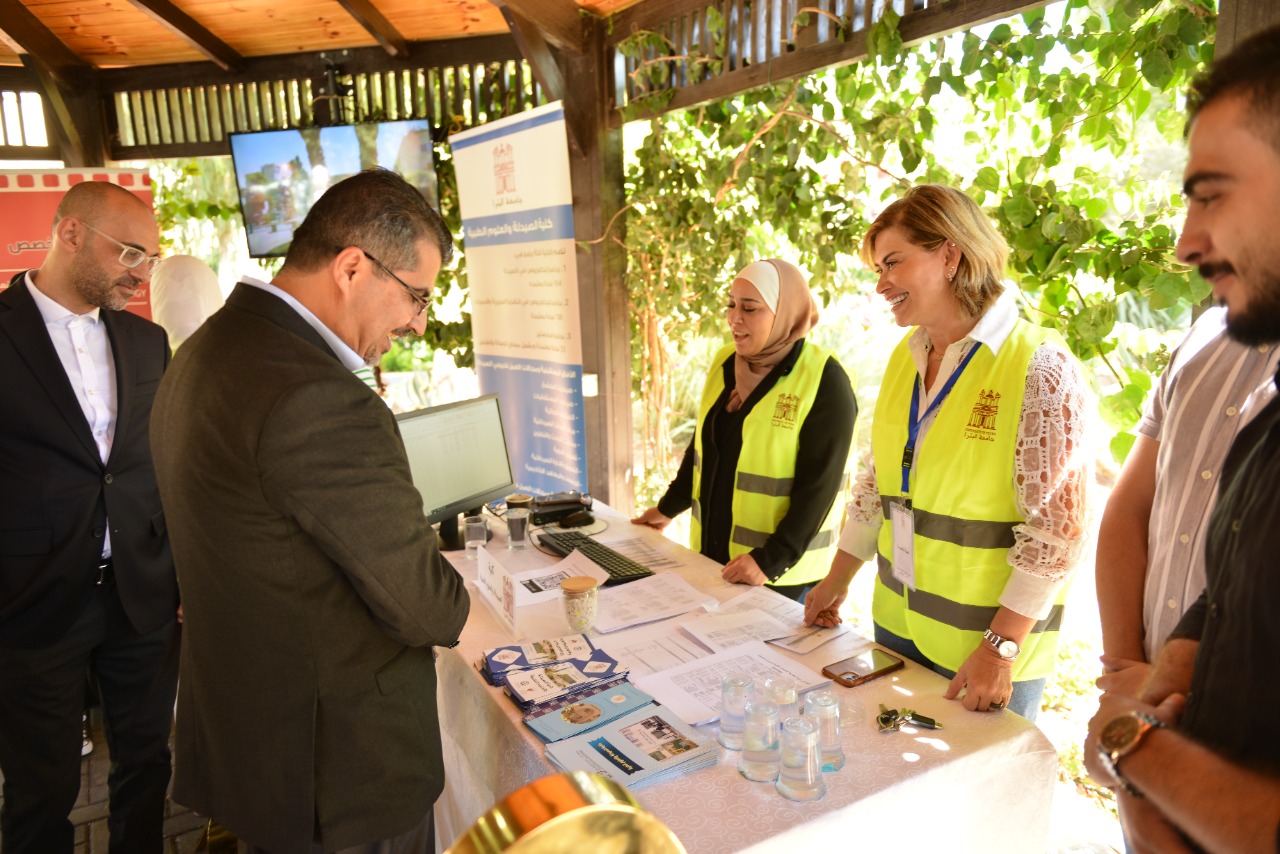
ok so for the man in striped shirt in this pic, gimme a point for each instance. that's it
(1150, 559)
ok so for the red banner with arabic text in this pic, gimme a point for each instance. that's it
(28, 200)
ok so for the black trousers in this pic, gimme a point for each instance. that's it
(42, 695)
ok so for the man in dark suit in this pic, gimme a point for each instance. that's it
(86, 578)
(313, 590)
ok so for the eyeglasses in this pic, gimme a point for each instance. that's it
(130, 256)
(418, 299)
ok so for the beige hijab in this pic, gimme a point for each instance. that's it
(786, 291)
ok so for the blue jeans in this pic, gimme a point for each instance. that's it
(1026, 696)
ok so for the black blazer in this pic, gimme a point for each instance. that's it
(55, 493)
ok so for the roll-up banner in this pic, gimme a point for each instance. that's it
(517, 223)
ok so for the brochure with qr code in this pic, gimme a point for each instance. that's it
(645, 747)
(578, 713)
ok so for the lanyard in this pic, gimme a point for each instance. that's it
(913, 425)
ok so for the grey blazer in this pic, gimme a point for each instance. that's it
(312, 588)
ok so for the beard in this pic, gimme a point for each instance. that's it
(373, 358)
(1259, 323)
(96, 288)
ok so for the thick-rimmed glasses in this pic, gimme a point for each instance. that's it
(130, 256)
(418, 299)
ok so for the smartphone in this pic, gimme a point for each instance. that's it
(862, 667)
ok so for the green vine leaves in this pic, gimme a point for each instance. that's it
(1063, 123)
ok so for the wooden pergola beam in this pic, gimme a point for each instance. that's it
(186, 28)
(529, 39)
(76, 123)
(934, 22)
(46, 50)
(377, 25)
(560, 22)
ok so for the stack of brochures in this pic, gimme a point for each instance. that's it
(561, 679)
(497, 663)
(649, 745)
(550, 670)
(573, 714)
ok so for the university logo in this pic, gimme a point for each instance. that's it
(504, 168)
(982, 421)
(786, 410)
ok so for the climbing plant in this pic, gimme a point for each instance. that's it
(1064, 123)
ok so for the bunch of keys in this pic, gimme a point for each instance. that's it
(891, 720)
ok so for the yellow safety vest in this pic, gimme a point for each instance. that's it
(963, 506)
(767, 464)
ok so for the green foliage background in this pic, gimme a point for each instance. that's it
(1042, 119)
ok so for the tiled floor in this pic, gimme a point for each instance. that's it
(183, 829)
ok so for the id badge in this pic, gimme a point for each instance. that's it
(904, 530)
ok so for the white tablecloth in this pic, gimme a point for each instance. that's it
(983, 783)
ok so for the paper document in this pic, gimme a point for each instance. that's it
(692, 691)
(801, 638)
(719, 632)
(648, 649)
(654, 598)
(809, 638)
(789, 612)
(539, 585)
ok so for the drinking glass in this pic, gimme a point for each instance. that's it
(824, 707)
(781, 690)
(800, 777)
(735, 690)
(517, 527)
(477, 533)
(760, 752)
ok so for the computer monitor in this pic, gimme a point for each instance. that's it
(458, 459)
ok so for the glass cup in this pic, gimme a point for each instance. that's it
(781, 690)
(800, 777)
(477, 533)
(824, 707)
(760, 752)
(735, 690)
(580, 595)
(517, 527)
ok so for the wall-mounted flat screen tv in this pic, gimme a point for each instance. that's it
(280, 173)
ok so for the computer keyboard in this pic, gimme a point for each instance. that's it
(620, 568)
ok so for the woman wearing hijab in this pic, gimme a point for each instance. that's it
(768, 455)
(972, 502)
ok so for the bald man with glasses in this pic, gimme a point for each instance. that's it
(86, 577)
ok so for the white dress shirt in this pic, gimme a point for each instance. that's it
(85, 352)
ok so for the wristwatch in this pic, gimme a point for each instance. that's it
(1121, 736)
(1007, 649)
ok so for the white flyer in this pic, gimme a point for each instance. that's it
(649, 649)
(719, 632)
(539, 585)
(654, 598)
(692, 691)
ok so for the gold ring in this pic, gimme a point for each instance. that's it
(996, 705)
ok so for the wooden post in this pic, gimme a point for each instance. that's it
(1239, 19)
(596, 172)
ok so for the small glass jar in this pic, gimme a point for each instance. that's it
(580, 594)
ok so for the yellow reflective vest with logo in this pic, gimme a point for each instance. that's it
(767, 464)
(963, 506)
